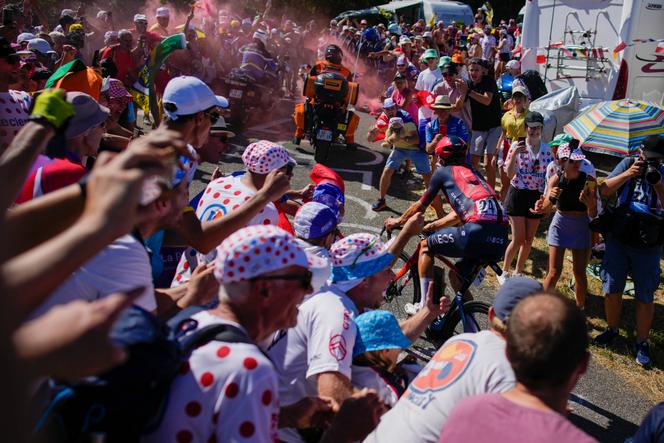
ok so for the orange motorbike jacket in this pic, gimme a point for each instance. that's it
(323, 66)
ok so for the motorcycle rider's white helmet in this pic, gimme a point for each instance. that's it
(261, 35)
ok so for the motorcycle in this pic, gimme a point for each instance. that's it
(505, 87)
(326, 117)
(245, 96)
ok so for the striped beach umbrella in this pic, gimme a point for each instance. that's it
(617, 127)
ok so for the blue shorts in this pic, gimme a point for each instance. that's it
(643, 264)
(472, 242)
(419, 158)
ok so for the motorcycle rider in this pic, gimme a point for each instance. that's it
(331, 64)
(258, 64)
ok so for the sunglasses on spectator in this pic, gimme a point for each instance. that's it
(304, 278)
(213, 116)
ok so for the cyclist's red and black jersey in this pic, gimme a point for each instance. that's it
(470, 196)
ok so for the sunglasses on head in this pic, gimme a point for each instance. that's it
(304, 278)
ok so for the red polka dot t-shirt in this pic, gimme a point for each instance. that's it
(226, 392)
(14, 113)
(221, 197)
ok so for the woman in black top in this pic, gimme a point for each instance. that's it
(574, 195)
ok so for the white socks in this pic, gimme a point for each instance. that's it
(424, 289)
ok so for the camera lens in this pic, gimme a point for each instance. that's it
(652, 175)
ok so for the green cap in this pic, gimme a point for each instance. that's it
(445, 60)
(560, 139)
(429, 53)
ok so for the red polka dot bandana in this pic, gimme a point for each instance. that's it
(358, 256)
(264, 156)
(257, 250)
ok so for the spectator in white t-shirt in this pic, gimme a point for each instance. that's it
(315, 357)
(14, 105)
(425, 82)
(468, 364)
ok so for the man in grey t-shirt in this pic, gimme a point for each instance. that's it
(468, 364)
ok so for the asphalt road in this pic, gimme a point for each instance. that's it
(603, 404)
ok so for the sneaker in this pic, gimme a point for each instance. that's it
(412, 308)
(379, 205)
(296, 141)
(502, 278)
(606, 337)
(643, 354)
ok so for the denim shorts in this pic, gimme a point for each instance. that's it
(643, 264)
(419, 158)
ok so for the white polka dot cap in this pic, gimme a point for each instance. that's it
(263, 157)
(257, 250)
(358, 256)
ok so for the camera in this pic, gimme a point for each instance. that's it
(651, 172)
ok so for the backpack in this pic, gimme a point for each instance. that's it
(534, 83)
(129, 401)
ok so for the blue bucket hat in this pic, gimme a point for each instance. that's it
(378, 330)
(314, 220)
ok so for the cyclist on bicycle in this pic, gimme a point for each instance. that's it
(476, 229)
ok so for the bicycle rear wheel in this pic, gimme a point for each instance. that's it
(405, 289)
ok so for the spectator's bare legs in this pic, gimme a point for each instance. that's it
(579, 263)
(518, 225)
(644, 316)
(490, 168)
(524, 252)
(385, 180)
(556, 257)
(612, 309)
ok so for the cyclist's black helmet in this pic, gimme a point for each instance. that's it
(333, 54)
(451, 145)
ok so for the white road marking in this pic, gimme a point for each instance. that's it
(367, 177)
(363, 228)
(370, 214)
(378, 158)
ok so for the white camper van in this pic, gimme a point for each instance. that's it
(447, 11)
(571, 43)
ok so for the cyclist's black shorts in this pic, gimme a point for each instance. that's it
(472, 242)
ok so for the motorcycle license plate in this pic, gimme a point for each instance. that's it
(341, 126)
(236, 93)
(324, 134)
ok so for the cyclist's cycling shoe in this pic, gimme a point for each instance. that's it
(437, 324)
(412, 308)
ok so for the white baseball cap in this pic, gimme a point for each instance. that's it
(190, 96)
(388, 103)
(163, 12)
(140, 18)
(40, 45)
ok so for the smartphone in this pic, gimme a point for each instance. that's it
(521, 140)
(438, 290)
(590, 187)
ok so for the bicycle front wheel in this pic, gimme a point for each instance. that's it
(404, 289)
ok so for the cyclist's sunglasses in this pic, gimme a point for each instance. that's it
(304, 278)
